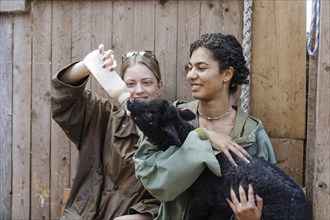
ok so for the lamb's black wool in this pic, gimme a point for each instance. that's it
(166, 125)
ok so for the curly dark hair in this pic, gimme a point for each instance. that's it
(228, 52)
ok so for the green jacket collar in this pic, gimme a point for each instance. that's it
(246, 126)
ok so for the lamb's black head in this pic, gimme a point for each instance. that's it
(161, 121)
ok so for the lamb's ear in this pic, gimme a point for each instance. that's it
(171, 131)
(186, 114)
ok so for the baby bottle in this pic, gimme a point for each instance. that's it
(109, 80)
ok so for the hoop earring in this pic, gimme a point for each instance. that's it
(159, 94)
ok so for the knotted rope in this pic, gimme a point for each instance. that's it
(315, 14)
(247, 27)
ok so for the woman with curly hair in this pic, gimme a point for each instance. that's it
(215, 71)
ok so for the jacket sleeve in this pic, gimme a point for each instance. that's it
(76, 110)
(167, 174)
(264, 146)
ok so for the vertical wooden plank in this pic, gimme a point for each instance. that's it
(311, 127)
(278, 81)
(22, 112)
(123, 26)
(264, 64)
(101, 33)
(233, 24)
(102, 15)
(165, 45)
(81, 29)
(211, 18)
(81, 46)
(292, 59)
(144, 18)
(60, 144)
(233, 18)
(6, 89)
(40, 133)
(188, 32)
(289, 157)
(322, 148)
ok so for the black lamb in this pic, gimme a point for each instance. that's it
(284, 199)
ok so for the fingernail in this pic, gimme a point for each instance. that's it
(111, 69)
(247, 161)
(103, 66)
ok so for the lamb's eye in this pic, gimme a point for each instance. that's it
(150, 116)
(153, 116)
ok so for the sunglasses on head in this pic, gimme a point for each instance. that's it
(145, 53)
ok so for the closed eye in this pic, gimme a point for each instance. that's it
(130, 84)
(148, 82)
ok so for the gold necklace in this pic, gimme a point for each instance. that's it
(214, 118)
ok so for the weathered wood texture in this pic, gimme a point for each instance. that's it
(60, 151)
(35, 45)
(311, 126)
(40, 109)
(22, 88)
(6, 89)
(318, 143)
(14, 5)
(278, 79)
(290, 157)
(321, 205)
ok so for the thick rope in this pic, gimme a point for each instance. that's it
(247, 27)
(315, 14)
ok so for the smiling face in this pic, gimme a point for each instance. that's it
(141, 82)
(204, 76)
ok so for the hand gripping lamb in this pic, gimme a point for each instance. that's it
(165, 125)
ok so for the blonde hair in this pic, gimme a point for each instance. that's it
(151, 63)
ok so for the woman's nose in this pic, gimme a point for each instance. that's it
(139, 88)
(191, 74)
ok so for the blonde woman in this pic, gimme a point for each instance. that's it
(105, 186)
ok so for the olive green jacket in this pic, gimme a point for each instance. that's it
(167, 175)
(105, 185)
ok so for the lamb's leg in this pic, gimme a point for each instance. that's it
(199, 211)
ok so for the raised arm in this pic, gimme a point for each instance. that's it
(76, 73)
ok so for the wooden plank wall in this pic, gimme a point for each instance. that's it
(52, 34)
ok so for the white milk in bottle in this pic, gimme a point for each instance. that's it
(109, 80)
